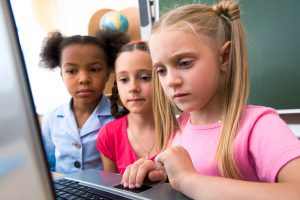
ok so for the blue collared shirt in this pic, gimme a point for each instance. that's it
(69, 149)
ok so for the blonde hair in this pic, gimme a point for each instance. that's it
(220, 23)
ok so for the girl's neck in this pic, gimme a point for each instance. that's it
(210, 113)
(204, 119)
(141, 135)
(84, 108)
(82, 111)
(141, 122)
(207, 115)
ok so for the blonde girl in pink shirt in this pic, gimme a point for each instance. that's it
(220, 148)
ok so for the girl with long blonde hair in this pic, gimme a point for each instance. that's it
(220, 147)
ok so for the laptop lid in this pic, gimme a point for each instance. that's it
(24, 172)
(23, 168)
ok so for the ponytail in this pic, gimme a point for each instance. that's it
(50, 53)
(236, 88)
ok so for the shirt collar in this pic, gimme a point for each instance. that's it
(103, 108)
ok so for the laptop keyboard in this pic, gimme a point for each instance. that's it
(69, 189)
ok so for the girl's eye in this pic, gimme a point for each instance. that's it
(123, 80)
(185, 63)
(161, 71)
(96, 69)
(146, 77)
(71, 71)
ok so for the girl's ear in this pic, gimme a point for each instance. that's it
(224, 55)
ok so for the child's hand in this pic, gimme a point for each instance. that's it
(135, 173)
(177, 163)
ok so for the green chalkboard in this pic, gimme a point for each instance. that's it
(273, 37)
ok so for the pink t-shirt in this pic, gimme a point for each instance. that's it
(263, 145)
(113, 143)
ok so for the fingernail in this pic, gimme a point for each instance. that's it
(131, 186)
(125, 185)
(138, 185)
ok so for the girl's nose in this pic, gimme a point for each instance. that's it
(173, 79)
(134, 86)
(84, 78)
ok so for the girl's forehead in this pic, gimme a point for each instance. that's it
(82, 53)
(83, 45)
(177, 39)
(83, 50)
(133, 53)
(169, 36)
(133, 61)
(174, 40)
(173, 44)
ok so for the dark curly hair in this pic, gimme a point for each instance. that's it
(116, 110)
(110, 41)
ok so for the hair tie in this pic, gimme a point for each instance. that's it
(227, 9)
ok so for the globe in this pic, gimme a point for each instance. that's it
(115, 21)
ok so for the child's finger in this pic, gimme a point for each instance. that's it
(159, 164)
(144, 169)
(127, 173)
(133, 173)
(125, 176)
(160, 158)
(157, 175)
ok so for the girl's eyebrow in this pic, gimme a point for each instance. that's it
(70, 64)
(76, 65)
(144, 70)
(138, 71)
(156, 65)
(122, 72)
(176, 55)
(183, 53)
(96, 62)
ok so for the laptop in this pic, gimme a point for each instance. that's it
(24, 170)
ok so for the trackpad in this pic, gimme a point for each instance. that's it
(135, 190)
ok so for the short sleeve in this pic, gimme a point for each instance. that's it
(272, 145)
(104, 143)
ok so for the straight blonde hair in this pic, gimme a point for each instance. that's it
(219, 23)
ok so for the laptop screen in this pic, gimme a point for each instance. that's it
(23, 168)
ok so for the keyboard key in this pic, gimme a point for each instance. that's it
(69, 189)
